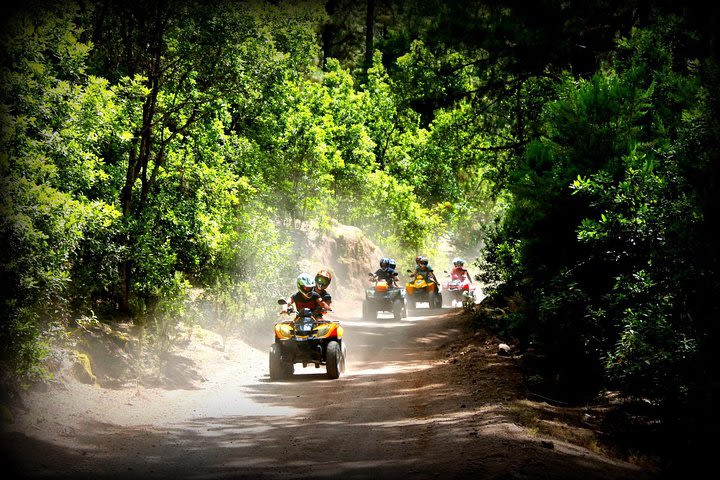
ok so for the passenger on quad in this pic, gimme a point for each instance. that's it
(322, 281)
(459, 272)
(419, 261)
(393, 267)
(385, 272)
(306, 296)
(423, 268)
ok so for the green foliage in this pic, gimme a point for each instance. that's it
(601, 235)
(56, 120)
(159, 170)
(163, 158)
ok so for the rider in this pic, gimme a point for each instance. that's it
(423, 268)
(306, 296)
(392, 268)
(392, 265)
(459, 271)
(386, 272)
(322, 281)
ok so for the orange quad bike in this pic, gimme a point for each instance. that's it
(307, 339)
(422, 290)
(381, 297)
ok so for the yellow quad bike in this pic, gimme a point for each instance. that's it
(422, 290)
(307, 339)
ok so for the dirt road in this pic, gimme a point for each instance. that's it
(410, 405)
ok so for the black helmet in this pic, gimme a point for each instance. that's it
(384, 262)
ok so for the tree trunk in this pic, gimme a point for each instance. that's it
(329, 31)
(141, 155)
(369, 33)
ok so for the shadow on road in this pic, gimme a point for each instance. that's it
(397, 413)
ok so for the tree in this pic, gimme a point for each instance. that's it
(55, 119)
(183, 62)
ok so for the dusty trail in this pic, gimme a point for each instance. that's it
(404, 409)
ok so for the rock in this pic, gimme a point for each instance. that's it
(547, 444)
(6, 415)
(503, 349)
(83, 370)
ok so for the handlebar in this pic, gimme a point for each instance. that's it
(292, 310)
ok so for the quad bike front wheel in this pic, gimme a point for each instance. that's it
(436, 301)
(397, 309)
(412, 305)
(448, 301)
(335, 360)
(278, 368)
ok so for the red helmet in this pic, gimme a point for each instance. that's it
(323, 279)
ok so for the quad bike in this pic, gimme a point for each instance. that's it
(383, 298)
(459, 291)
(306, 339)
(422, 289)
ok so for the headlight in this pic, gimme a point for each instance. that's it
(324, 330)
(283, 330)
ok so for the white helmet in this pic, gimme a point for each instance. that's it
(305, 284)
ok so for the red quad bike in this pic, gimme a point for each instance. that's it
(307, 338)
(459, 291)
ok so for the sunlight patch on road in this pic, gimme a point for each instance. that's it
(431, 387)
(339, 469)
(446, 419)
(386, 369)
(380, 323)
(231, 402)
(347, 469)
(222, 431)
